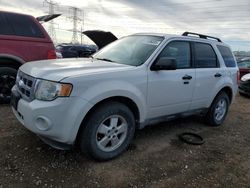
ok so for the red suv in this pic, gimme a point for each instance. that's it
(22, 39)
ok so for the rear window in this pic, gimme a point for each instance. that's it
(227, 56)
(205, 56)
(23, 25)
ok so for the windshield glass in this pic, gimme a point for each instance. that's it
(131, 50)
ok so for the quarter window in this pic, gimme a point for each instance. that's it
(205, 56)
(227, 56)
(180, 51)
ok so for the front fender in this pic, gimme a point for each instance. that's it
(108, 89)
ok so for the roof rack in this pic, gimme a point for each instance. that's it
(201, 36)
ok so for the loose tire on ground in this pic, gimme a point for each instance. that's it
(7, 81)
(218, 110)
(108, 132)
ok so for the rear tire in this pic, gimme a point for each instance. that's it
(218, 110)
(108, 131)
(7, 81)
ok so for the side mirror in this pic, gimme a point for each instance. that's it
(165, 63)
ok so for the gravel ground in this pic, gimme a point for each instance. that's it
(156, 158)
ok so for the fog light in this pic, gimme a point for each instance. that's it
(43, 123)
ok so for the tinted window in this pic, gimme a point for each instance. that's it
(59, 47)
(227, 56)
(74, 48)
(82, 48)
(24, 26)
(5, 28)
(66, 47)
(205, 56)
(180, 51)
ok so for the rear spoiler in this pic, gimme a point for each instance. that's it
(47, 18)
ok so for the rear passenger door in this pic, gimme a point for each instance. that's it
(208, 74)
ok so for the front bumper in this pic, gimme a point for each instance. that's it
(244, 87)
(58, 120)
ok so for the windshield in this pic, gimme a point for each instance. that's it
(131, 50)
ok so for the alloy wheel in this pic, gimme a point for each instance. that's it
(111, 133)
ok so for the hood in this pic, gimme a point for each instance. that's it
(100, 38)
(47, 18)
(59, 69)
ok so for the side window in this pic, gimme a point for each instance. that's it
(24, 26)
(73, 48)
(227, 56)
(5, 28)
(180, 51)
(205, 56)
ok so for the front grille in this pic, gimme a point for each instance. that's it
(25, 85)
(245, 85)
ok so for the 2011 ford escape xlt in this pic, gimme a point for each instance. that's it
(133, 82)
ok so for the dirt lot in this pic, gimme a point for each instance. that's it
(155, 159)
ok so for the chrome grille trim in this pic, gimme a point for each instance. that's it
(25, 86)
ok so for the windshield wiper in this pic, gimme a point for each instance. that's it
(105, 59)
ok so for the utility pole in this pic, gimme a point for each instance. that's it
(81, 35)
(51, 4)
(82, 28)
(75, 19)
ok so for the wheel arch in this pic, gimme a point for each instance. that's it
(228, 90)
(121, 99)
(11, 61)
(210, 114)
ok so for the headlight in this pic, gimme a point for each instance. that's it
(48, 90)
(245, 78)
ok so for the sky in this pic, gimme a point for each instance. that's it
(226, 19)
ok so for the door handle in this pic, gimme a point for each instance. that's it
(187, 77)
(217, 75)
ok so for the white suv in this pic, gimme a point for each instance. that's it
(136, 81)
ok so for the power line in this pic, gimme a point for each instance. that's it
(214, 20)
(75, 19)
(193, 2)
(51, 4)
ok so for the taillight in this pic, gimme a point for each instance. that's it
(51, 54)
(238, 77)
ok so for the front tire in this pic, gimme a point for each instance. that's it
(108, 132)
(7, 81)
(218, 110)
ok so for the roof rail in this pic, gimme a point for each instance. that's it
(201, 36)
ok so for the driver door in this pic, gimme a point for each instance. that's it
(170, 91)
